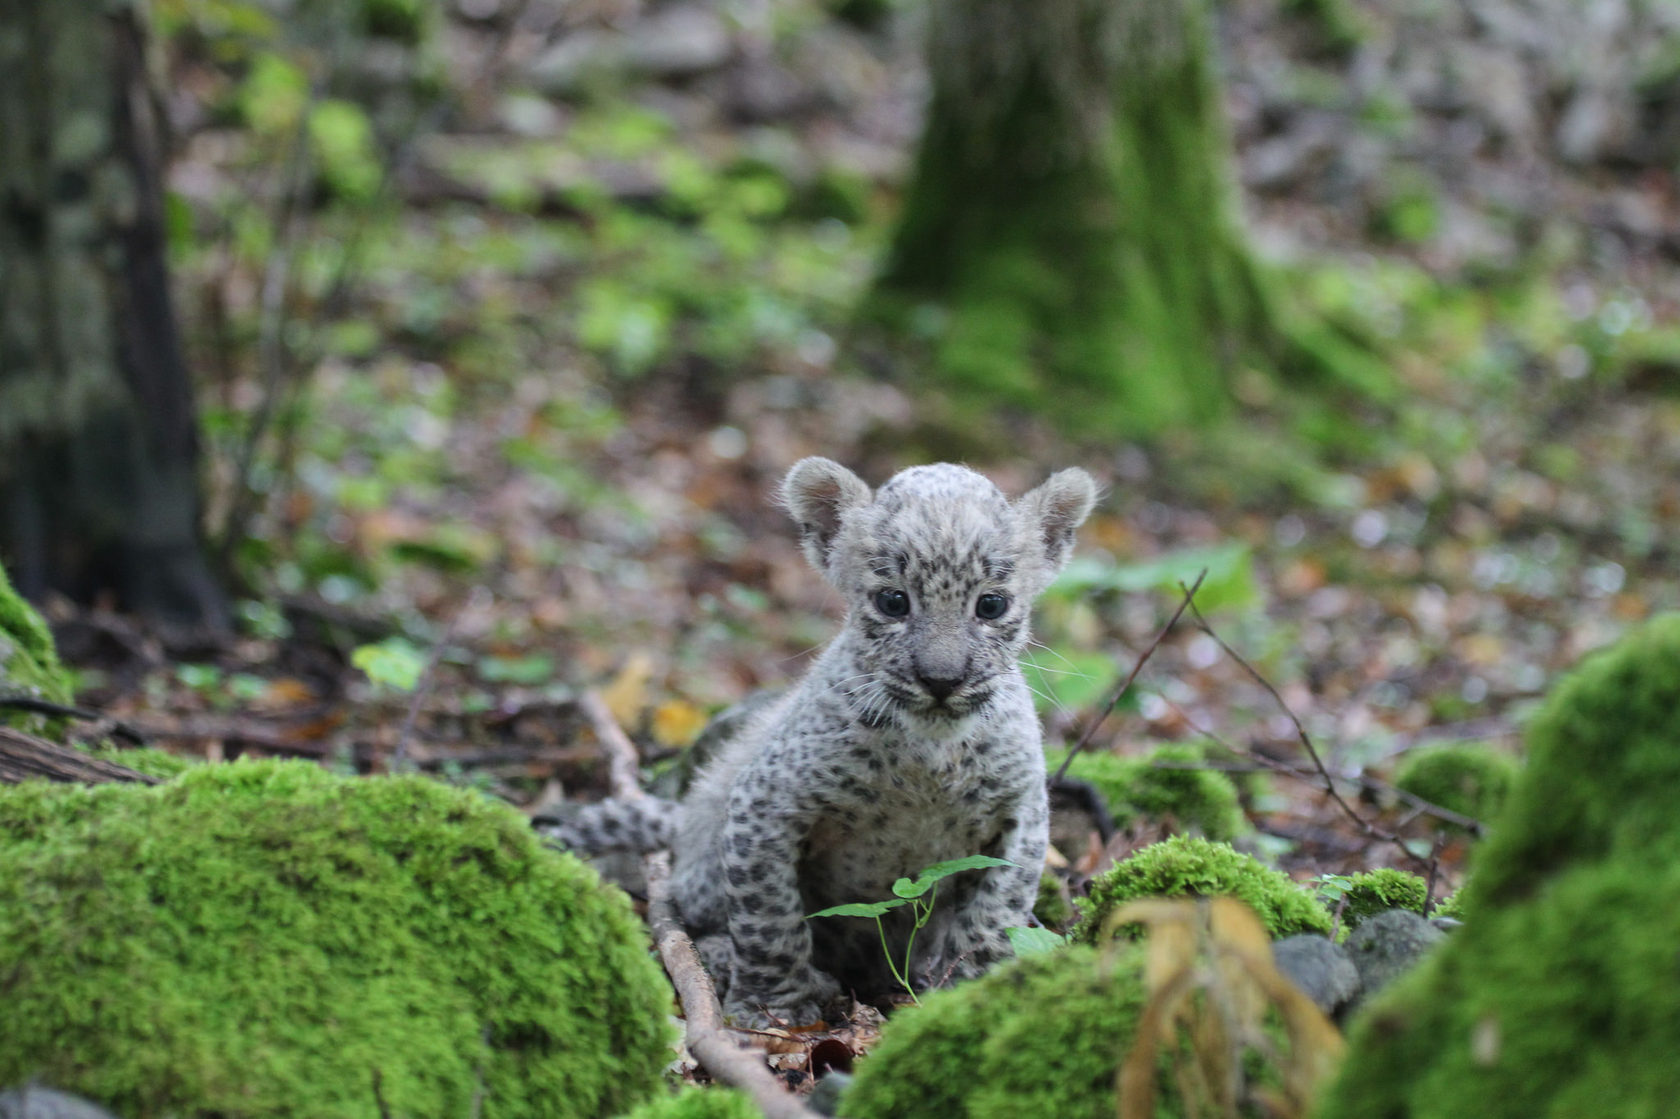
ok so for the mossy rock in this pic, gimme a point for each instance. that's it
(1377, 891)
(1162, 786)
(267, 939)
(1558, 996)
(1189, 866)
(1039, 1036)
(29, 663)
(698, 1103)
(1469, 778)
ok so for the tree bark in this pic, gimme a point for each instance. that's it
(98, 434)
(1072, 233)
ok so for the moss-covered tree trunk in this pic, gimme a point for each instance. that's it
(98, 484)
(1071, 234)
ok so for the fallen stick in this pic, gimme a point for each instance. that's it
(707, 1037)
(623, 762)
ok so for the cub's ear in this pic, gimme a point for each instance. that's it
(818, 492)
(1053, 512)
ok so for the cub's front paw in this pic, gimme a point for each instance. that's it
(786, 1004)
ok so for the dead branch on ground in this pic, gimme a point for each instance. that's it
(23, 756)
(707, 1037)
(623, 762)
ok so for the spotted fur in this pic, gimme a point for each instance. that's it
(913, 739)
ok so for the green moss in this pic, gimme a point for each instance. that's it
(1040, 1036)
(1376, 891)
(266, 939)
(1052, 907)
(28, 661)
(1162, 787)
(1185, 865)
(147, 759)
(1467, 777)
(1557, 997)
(698, 1103)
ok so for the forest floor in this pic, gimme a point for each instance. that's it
(535, 391)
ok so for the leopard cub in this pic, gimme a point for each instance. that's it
(911, 740)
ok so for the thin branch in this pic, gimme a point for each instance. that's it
(1125, 685)
(423, 686)
(62, 711)
(24, 757)
(623, 762)
(1301, 734)
(707, 1036)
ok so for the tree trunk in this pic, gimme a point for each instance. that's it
(98, 436)
(1071, 234)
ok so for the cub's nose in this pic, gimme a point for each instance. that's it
(939, 687)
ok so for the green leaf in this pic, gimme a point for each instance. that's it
(857, 909)
(930, 876)
(1034, 941)
(395, 663)
(532, 669)
(1229, 584)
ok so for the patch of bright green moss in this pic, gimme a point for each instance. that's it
(1558, 996)
(1469, 778)
(149, 760)
(1376, 891)
(1040, 1036)
(1162, 786)
(267, 939)
(28, 661)
(698, 1103)
(1185, 865)
(1052, 907)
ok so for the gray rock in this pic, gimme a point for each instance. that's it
(1388, 945)
(825, 1097)
(1320, 968)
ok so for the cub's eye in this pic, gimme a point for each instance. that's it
(894, 604)
(991, 607)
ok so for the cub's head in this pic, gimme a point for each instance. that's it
(939, 571)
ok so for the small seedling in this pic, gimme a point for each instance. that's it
(911, 893)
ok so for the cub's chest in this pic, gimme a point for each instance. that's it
(896, 816)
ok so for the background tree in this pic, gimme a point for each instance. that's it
(1072, 223)
(98, 442)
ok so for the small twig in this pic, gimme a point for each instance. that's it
(61, 711)
(1301, 734)
(1366, 782)
(1434, 872)
(623, 762)
(706, 1036)
(1125, 685)
(24, 757)
(423, 686)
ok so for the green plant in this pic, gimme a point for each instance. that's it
(911, 893)
(1371, 892)
(395, 663)
(1186, 865)
(264, 939)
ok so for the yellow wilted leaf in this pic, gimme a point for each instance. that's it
(677, 723)
(1210, 974)
(626, 695)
